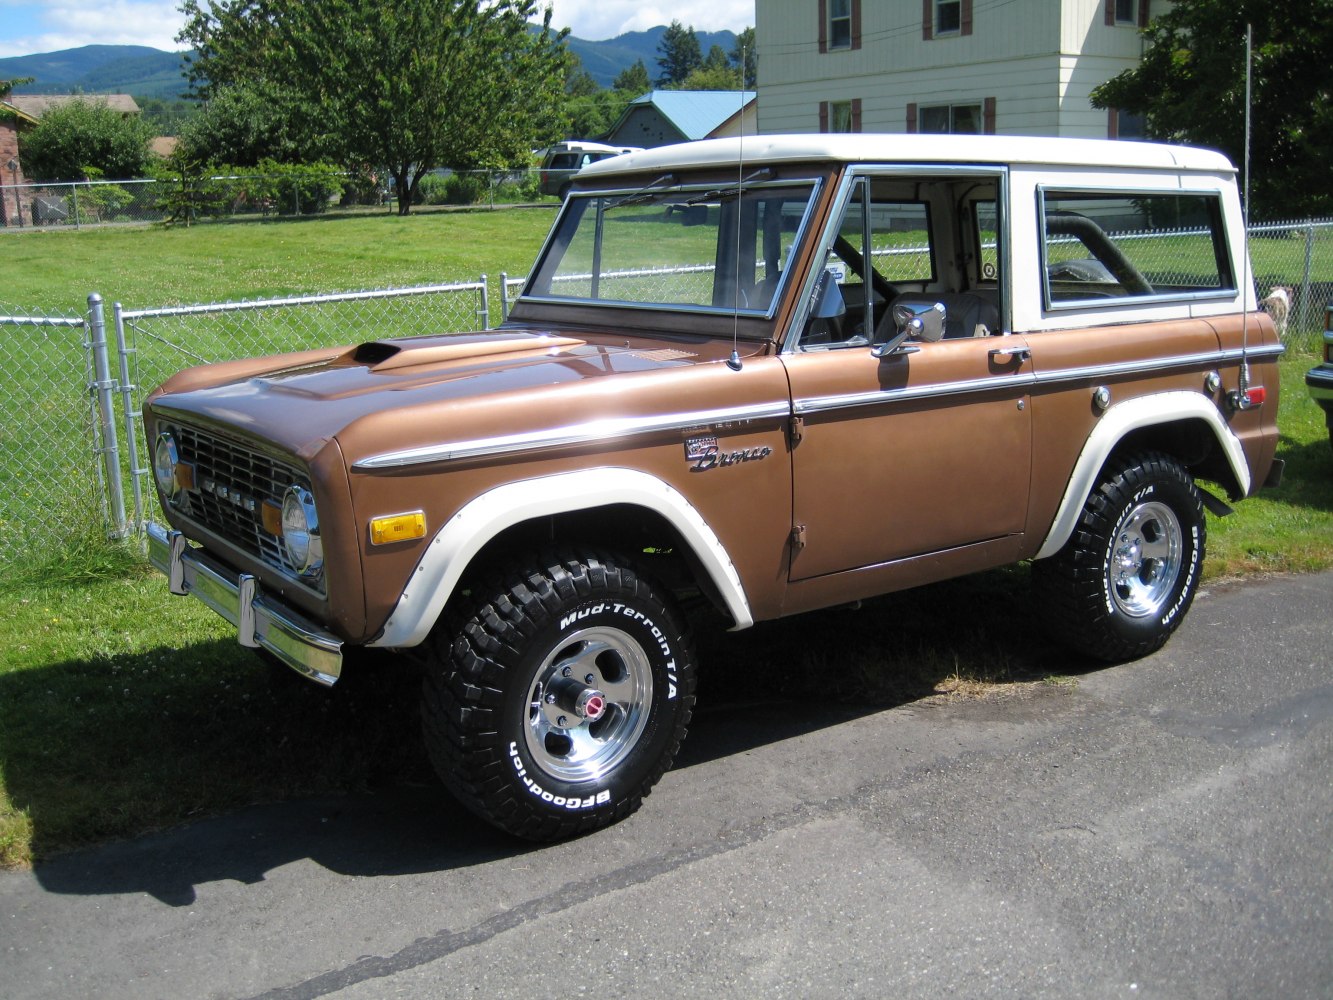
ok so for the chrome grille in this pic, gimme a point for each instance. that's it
(232, 484)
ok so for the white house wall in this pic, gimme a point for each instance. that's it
(1039, 60)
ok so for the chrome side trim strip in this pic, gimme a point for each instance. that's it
(610, 429)
(817, 404)
(1207, 359)
(261, 621)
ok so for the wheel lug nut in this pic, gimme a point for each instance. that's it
(550, 699)
(588, 679)
(562, 722)
(566, 672)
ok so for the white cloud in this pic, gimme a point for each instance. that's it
(598, 19)
(26, 28)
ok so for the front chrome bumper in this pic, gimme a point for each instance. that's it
(262, 622)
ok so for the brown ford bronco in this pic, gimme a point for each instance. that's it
(776, 377)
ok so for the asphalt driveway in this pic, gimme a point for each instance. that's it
(1158, 829)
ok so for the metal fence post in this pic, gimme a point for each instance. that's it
(1304, 319)
(485, 311)
(504, 297)
(104, 387)
(127, 391)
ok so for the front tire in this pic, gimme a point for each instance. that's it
(1129, 572)
(559, 696)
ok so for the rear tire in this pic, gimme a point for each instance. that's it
(1129, 572)
(559, 696)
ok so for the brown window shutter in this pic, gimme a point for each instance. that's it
(988, 116)
(1143, 13)
(856, 27)
(856, 114)
(967, 17)
(823, 25)
(823, 116)
(1112, 124)
(927, 19)
(911, 118)
(1110, 13)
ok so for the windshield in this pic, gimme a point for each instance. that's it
(694, 248)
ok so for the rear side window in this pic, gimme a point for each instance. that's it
(1103, 247)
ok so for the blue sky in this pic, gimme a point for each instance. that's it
(52, 25)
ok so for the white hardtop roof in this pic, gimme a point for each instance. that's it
(916, 148)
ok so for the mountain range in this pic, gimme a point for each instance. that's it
(151, 73)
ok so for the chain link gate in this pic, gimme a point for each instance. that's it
(52, 456)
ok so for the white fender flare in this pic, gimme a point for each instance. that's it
(482, 519)
(1121, 419)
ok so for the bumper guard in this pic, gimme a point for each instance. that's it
(262, 622)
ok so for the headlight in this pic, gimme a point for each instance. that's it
(165, 460)
(300, 531)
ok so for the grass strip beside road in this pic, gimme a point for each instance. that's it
(123, 709)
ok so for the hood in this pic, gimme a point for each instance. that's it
(485, 380)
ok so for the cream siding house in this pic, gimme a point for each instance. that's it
(1016, 67)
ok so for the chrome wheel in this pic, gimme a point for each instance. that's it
(1146, 559)
(589, 704)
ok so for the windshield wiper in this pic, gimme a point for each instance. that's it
(645, 193)
(735, 190)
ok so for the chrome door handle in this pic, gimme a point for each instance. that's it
(1021, 353)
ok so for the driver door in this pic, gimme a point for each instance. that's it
(928, 449)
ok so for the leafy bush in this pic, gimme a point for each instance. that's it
(83, 134)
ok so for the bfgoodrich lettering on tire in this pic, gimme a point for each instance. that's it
(558, 696)
(1129, 572)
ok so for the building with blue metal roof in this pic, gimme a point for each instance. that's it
(662, 117)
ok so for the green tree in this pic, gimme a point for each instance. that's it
(83, 138)
(240, 126)
(1190, 87)
(715, 73)
(743, 58)
(409, 85)
(680, 54)
(634, 79)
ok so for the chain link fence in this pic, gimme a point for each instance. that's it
(72, 458)
(73, 462)
(51, 456)
(86, 204)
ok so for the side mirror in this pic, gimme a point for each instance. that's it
(827, 302)
(915, 321)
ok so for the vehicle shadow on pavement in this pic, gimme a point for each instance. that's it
(361, 798)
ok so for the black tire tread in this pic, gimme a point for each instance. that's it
(464, 684)
(1068, 586)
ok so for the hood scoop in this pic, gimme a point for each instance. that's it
(392, 355)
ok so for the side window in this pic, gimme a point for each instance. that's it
(882, 243)
(1101, 246)
(987, 250)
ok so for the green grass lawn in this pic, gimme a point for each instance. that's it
(123, 709)
(146, 267)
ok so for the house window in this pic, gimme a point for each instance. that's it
(1127, 12)
(840, 116)
(944, 119)
(948, 16)
(839, 25)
